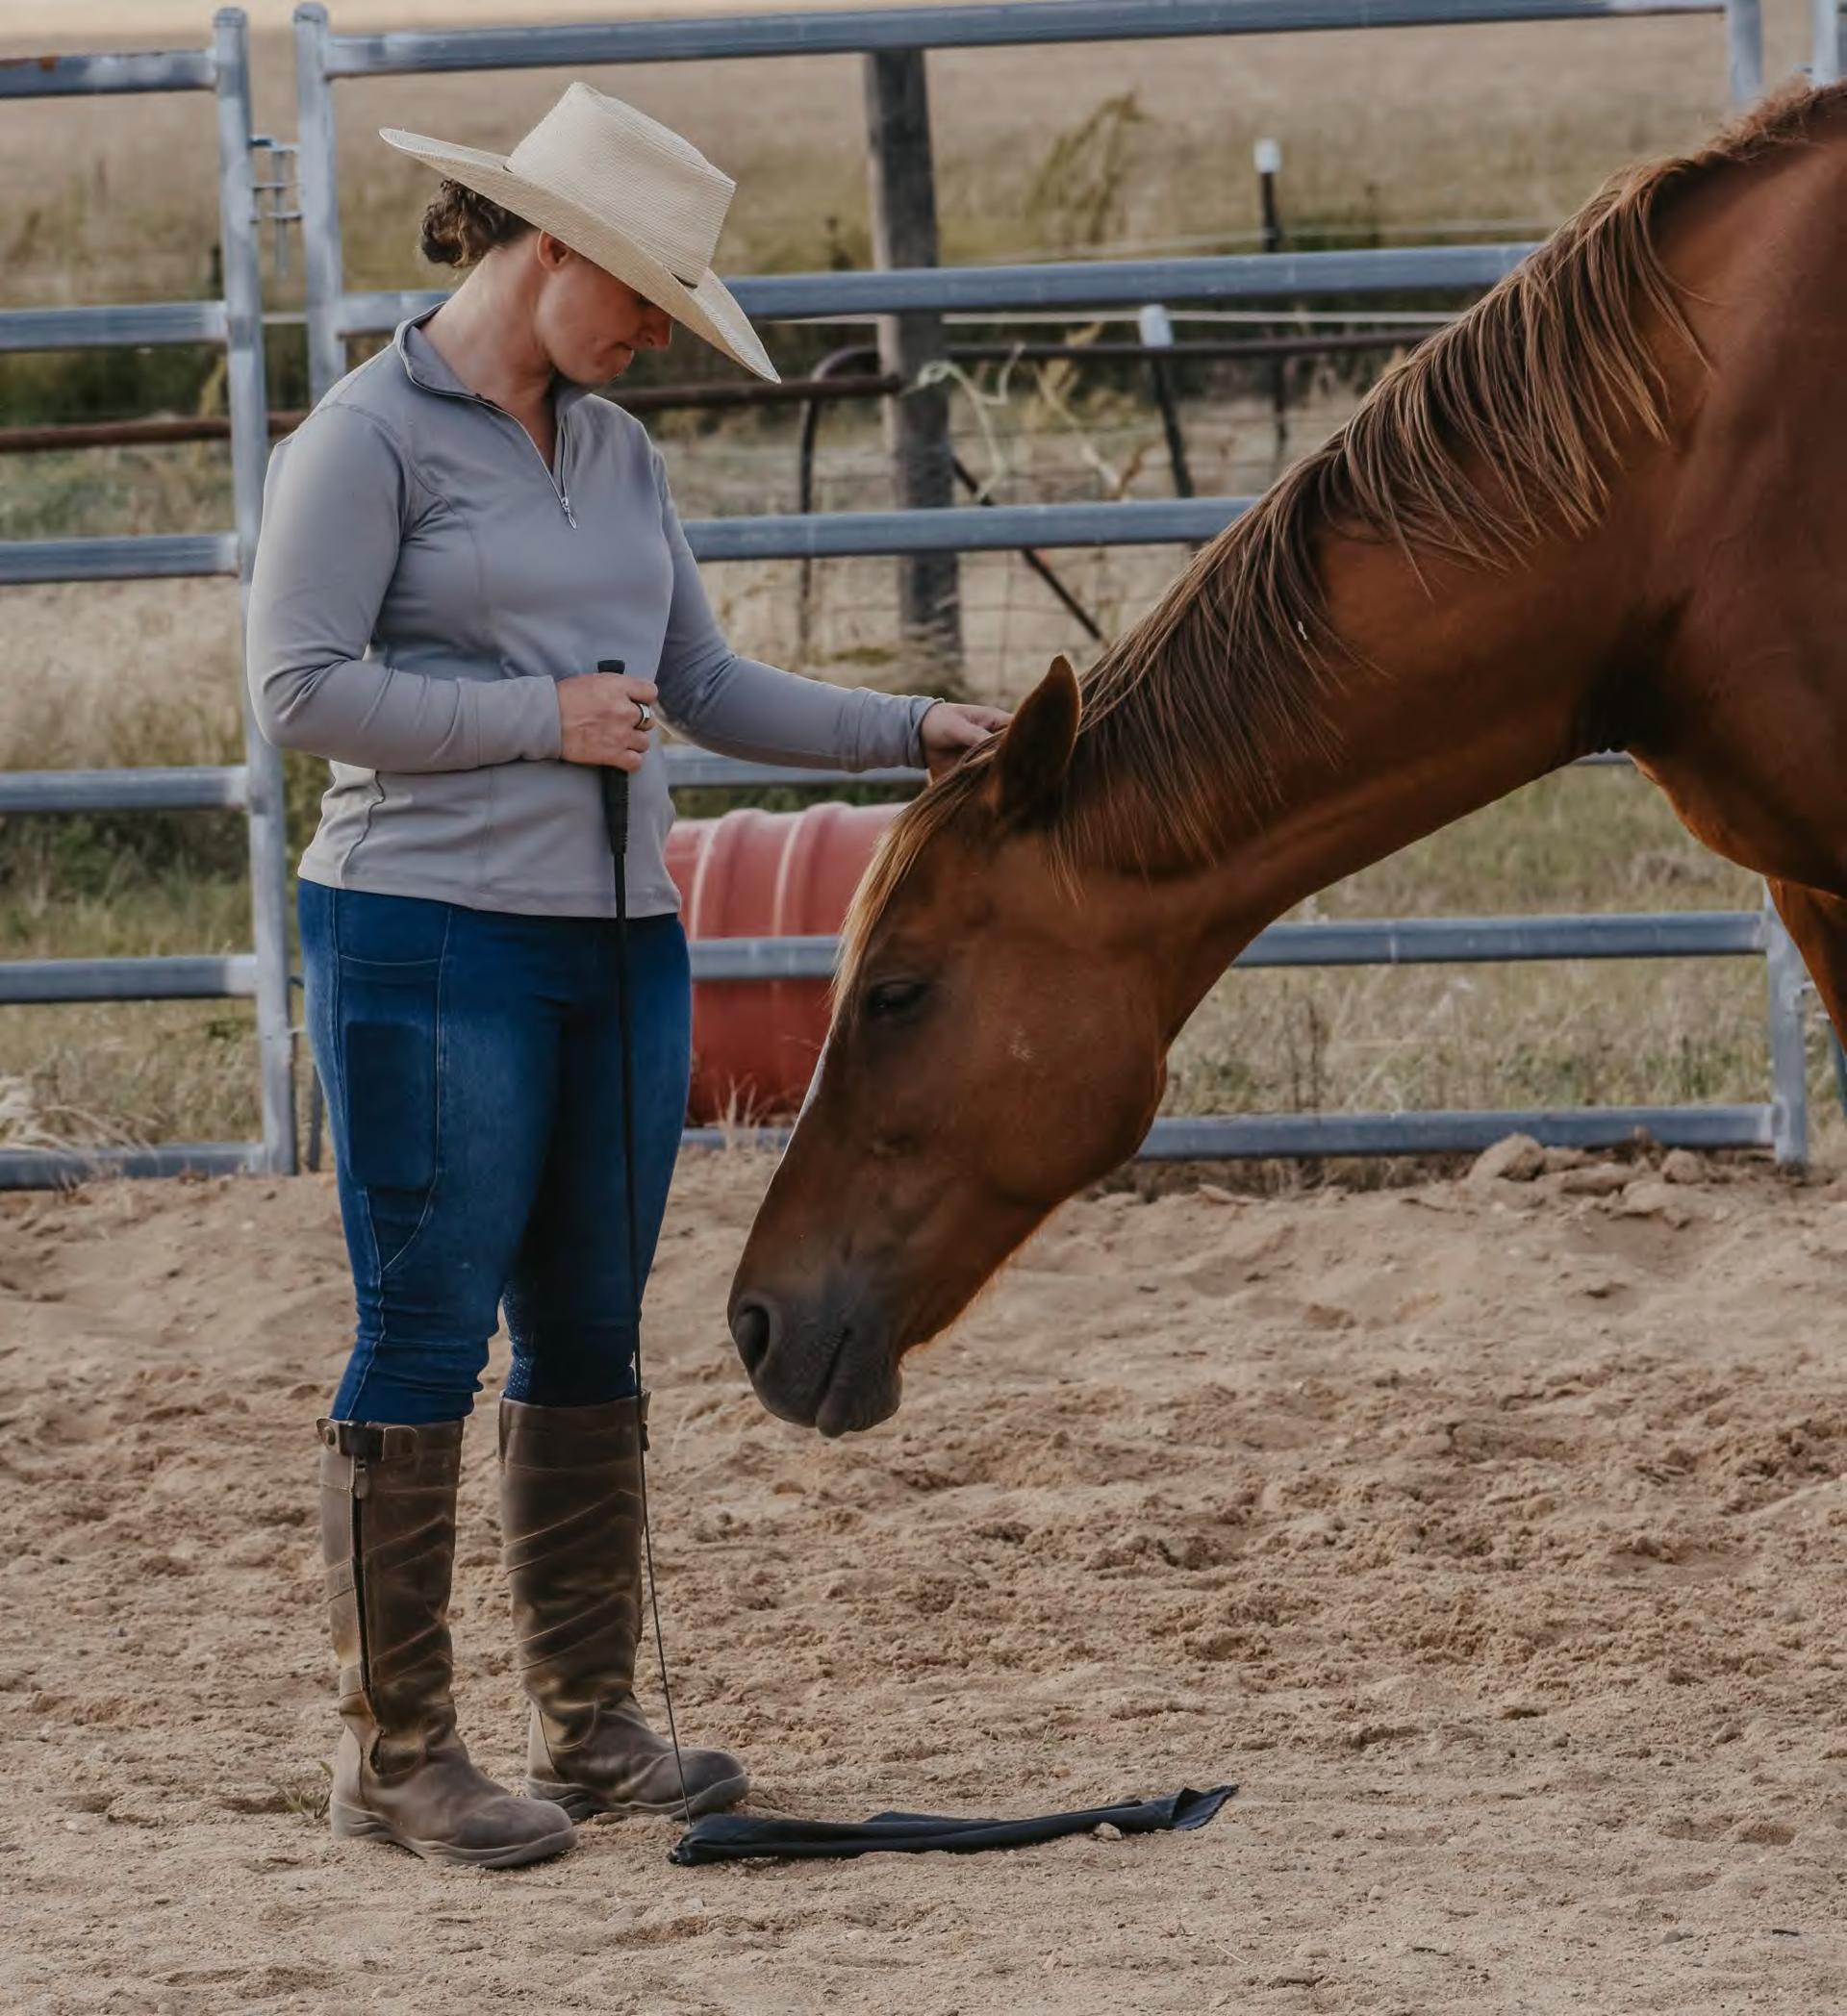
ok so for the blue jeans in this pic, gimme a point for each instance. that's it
(472, 1066)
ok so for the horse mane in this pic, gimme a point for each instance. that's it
(1502, 427)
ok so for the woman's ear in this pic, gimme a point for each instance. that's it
(1035, 752)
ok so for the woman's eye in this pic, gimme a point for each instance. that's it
(893, 997)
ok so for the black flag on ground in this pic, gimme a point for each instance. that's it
(735, 1837)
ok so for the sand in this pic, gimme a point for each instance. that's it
(1487, 1534)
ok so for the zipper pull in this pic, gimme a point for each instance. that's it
(570, 517)
(361, 1478)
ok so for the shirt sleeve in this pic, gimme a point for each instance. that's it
(740, 708)
(336, 504)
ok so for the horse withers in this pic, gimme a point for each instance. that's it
(1599, 512)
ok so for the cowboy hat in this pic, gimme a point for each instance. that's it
(627, 192)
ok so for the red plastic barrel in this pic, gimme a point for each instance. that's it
(765, 875)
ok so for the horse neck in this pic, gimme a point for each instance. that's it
(1464, 684)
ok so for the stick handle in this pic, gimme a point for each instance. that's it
(616, 792)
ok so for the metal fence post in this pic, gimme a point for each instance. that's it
(1789, 982)
(1156, 327)
(901, 179)
(1824, 66)
(249, 404)
(318, 178)
(1744, 39)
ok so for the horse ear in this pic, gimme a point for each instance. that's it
(1035, 752)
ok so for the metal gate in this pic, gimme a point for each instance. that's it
(256, 785)
(323, 57)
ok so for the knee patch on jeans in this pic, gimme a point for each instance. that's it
(389, 1044)
(571, 1364)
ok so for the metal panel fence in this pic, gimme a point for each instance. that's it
(256, 784)
(333, 315)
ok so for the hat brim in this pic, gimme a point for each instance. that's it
(707, 307)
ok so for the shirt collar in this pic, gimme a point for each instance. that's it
(425, 366)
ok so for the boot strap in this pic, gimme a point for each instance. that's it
(371, 1441)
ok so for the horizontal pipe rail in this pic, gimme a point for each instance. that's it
(182, 787)
(1076, 283)
(695, 769)
(976, 27)
(63, 1169)
(90, 76)
(154, 556)
(698, 770)
(1439, 940)
(112, 328)
(1436, 940)
(42, 981)
(167, 430)
(964, 529)
(1244, 1137)
(1180, 1140)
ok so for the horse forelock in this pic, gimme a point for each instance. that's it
(927, 815)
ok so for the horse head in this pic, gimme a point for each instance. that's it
(996, 1043)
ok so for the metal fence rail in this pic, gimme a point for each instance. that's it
(255, 787)
(1434, 941)
(981, 27)
(183, 787)
(147, 556)
(1072, 283)
(1257, 1136)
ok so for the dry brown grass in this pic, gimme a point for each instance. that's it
(1505, 123)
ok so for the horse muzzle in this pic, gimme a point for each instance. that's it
(820, 1366)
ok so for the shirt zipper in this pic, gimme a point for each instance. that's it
(559, 429)
(560, 438)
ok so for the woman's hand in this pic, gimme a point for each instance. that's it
(599, 718)
(948, 728)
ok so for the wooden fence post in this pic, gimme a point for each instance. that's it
(902, 182)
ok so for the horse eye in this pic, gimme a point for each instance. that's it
(892, 997)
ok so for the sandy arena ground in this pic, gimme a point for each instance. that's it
(1488, 1535)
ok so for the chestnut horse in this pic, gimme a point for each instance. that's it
(1605, 510)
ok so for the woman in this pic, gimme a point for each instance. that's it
(453, 540)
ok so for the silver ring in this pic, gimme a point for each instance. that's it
(643, 715)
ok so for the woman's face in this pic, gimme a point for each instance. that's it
(589, 323)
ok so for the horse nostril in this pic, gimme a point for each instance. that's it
(752, 1330)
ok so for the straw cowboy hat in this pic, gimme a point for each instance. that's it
(627, 192)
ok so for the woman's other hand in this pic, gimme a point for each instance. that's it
(600, 718)
(948, 728)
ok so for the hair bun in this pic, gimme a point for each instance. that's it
(461, 227)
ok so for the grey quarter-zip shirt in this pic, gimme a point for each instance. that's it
(422, 582)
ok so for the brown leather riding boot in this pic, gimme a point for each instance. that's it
(401, 1773)
(570, 1502)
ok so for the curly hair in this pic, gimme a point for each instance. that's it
(461, 228)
